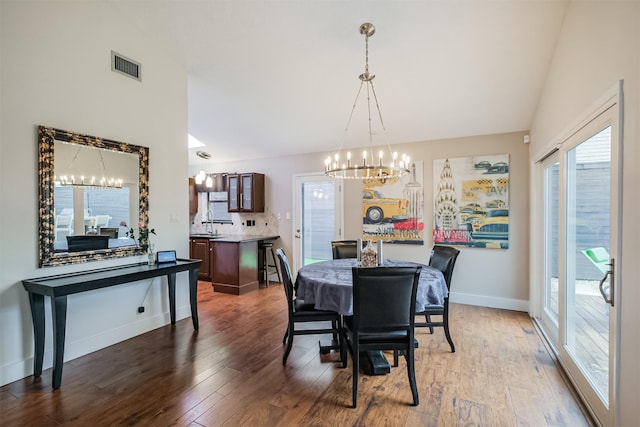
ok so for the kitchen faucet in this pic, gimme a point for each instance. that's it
(209, 223)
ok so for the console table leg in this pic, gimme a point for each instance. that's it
(193, 297)
(37, 315)
(171, 282)
(59, 315)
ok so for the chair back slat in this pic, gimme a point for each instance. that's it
(344, 249)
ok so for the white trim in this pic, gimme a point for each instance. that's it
(489, 301)
(24, 368)
(609, 98)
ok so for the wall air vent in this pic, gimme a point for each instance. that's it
(123, 65)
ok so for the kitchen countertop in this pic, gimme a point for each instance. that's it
(235, 238)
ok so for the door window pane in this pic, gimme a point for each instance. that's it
(318, 221)
(587, 252)
(552, 204)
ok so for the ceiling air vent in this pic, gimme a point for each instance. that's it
(126, 66)
(203, 154)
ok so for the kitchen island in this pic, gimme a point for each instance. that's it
(234, 261)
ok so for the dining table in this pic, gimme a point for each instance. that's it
(328, 285)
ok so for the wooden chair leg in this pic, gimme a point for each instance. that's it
(445, 320)
(289, 345)
(409, 356)
(343, 351)
(265, 265)
(428, 319)
(355, 356)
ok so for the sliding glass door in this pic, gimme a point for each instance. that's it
(579, 249)
(590, 224)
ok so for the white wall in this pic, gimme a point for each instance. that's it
(598, 46)
(489, 277)
(56, 71)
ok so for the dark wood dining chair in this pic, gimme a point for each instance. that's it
(344, 249)
(384, 303)
(299, 311)
(444, 259)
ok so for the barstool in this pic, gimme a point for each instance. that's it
(265, 247)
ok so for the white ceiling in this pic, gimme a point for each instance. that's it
(272, 78)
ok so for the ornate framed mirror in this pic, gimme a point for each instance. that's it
(92, 192)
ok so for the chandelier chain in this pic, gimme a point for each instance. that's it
(366, 54)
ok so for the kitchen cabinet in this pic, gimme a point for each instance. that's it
(218, 183)
(199, 248)
(234, 263)
(246, 192)
(193, 197)
(236, 267)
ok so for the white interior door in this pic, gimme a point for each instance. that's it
(318, 217)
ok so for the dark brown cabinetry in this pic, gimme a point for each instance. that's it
(193, 197)
(246, 192)
(232, 261)
(201, 249)
(217, 181)
(236, 266)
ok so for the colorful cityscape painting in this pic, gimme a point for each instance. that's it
(471, 201)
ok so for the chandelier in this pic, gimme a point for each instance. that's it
(103, 182)
(369, 168)
(93, 182)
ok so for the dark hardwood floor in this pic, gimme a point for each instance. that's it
(230, 373)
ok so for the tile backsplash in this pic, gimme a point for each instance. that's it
(263, 223)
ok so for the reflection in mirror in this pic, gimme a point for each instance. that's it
(92, 190)
(95, 193)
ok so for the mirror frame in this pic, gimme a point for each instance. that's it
(46, 211)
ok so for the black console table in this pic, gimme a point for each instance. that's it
(58, 287)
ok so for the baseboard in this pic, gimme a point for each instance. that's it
(487, 301)
(74, 349)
